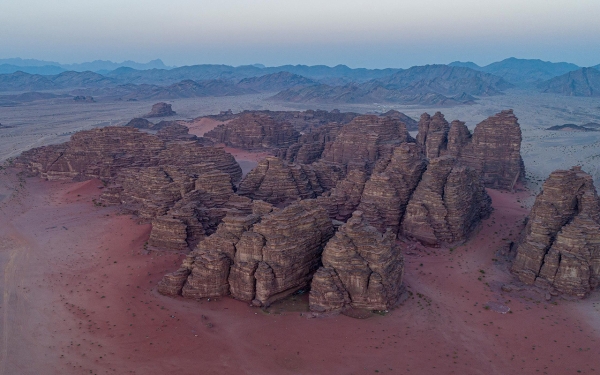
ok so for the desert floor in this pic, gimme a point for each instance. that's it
(79, 297)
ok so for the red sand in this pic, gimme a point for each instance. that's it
(80, 297)
(203, 125)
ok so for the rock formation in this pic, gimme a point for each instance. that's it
(343, 200)
(160, 110)
(364, 140)
(561, 247)
(310, 146)
(253, 131)
(447, 204)
(433, 134)
(185, 189)
(495, 151)
(277, 182)
(259, 256)
(362, 268)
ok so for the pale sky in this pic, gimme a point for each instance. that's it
(358, 33)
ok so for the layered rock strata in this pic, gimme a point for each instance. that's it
(362, 268)
(447, 205)
(433, 134)
(258, 257)
(252, 131)
(495, 151)
(364, 140)
(278, 182)
(561, 247)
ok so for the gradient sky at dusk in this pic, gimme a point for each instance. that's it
(358, 33)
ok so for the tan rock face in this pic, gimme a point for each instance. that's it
(252, 131)
(362, 268)
(360, 143)
(448, 203)
(561, 247)
(310, 146)
(260, 256)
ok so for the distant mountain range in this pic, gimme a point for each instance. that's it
(581, 82)
(52, 67)
(456, 83)
(522, 71)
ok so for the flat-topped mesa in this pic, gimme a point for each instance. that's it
(561, 248)
(97, 153)
(259, 257)
(161, 110)
(433, 135)
(252, 131)
(447, 205)
(360, 143)
(278, 182)
(362, 268)
(495, 151)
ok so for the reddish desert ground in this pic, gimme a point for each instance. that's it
(79, 297)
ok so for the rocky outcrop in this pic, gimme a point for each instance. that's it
(253, 131)
(447, 205)
(161, 110)
(97, 153)
(258, 257)
(310, 146)
(278, 182)
(495, 151)
(364, 140)
(433, 134)
(343, 200)
(561, 247)
(362, 268)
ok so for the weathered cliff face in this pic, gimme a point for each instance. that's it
(252, 131)
(310, 146)
(364, 140)
(448, 203)
(343, 200)
(278, 182)
(103, 153)
(433, 135)
(386, 193)
(259, 257)
(97, 153)
(561, 247)
(362, 268)
(495, 151)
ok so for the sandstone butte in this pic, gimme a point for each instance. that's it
(253, 131)
(560, 251)
(160, 110)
